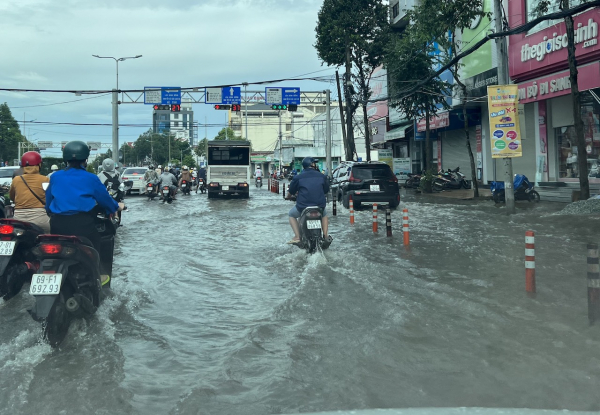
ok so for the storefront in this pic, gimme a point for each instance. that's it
(538, 64)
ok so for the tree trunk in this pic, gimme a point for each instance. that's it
(364, 89)
(342, 119)
(427, 142)
(350, 112)
(584, 183)
(367, 132)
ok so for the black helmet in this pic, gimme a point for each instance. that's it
(307, 162)
(76, 151)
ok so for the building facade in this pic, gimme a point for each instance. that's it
(180, 124)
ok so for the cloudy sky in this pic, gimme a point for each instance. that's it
(48, 45)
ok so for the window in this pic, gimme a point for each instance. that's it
(175, 123)
(288, 127)
(176, 116)
(554, 7)
(395, 10)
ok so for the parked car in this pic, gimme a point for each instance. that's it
(135, 174)
(365, 182)
(6, 175)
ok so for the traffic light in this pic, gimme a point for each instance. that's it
(158, 107)
(236, 107)
(222, 107)
(292, 107)
(279, 107)
(175, 107)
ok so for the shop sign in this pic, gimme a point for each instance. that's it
(533, 53)
(402, 167)
(385, 156)
(559, 84)
(259, 158)
(477, 85)
(505, 135)
(437, 121)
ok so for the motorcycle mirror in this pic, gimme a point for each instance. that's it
(45, 186)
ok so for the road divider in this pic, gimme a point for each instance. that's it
(375, 218)
(405, 230)
(593, 280)
(530, 262)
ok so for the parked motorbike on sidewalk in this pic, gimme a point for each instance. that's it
(523, 190)
(152, 189)
(17, 262)
(451, 179)
(185, 187)
(166, 194)
(68, 284)
(258, 182)
(413, 181)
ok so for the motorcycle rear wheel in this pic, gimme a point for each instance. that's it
(466, 184)
(437, 186)
(56, 325)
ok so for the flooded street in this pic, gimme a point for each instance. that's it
(213, 313)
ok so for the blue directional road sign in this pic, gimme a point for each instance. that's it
(227, 95)
(282, 96)
(162, 95)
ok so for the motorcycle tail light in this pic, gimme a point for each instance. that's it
(6, 229)
(125, 178)
(314, 214)
(51, 249)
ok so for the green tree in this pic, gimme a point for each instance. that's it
(413, 54)
(439, 21)
(10, 135)
(353, 33)
(189, 161)
(227, 134)
(564, 5)
(200, 149)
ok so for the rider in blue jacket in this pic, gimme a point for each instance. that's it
(311, 187)
(71, 197)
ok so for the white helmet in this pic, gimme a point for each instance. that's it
(185, 168)
(54, 167)
(159, 167)
(108, 165)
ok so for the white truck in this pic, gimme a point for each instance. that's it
(228, 171)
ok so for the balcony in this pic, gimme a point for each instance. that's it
(398, 10)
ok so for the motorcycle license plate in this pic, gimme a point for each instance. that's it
(313, 224)
(224, 187)
(183, 186)
(374, 187)
(149, 188)
(7, 248)
(45, 284)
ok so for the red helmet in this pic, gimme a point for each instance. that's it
(31, 158)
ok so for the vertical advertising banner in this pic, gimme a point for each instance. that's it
(386, 156)
(505, 134)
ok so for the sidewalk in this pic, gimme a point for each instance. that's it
(460, 194)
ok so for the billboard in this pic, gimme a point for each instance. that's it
(505, 134)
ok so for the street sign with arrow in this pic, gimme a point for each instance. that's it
(225, 95)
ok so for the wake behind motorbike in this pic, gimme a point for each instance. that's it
(68, 283)
(17, 262)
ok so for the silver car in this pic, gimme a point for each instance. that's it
(136, 175)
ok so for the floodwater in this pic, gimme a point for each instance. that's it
(213, 313)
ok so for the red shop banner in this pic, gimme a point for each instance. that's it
(439, 121)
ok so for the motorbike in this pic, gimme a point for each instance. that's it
(311, 233)
(258, 182)
(451, 179)
(185, 187)
(17, 262)
(413, 181)
(118, 192)
(201, 185)
(166, 194)
(68, 283)
(152, 189)
(523, 190)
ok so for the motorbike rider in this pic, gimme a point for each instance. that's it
(109, 175)
(151, 175)
(202, 173)
(28, 193)
(311, 188)
(185, 175)
(168, 179)
(258, 173)
(72, 197)
(52, 169)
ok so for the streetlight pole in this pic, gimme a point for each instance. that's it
(246, 106)
(115, 104)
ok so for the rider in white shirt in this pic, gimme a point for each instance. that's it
(258, 172)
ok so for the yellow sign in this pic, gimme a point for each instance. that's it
(505, 134)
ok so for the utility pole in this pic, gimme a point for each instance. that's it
(115, 123)
(501, 51)
(280, 142)
(328, 133)
(342, 119)
(246, 106)
(347, 86)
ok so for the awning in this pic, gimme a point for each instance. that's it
(397, 133)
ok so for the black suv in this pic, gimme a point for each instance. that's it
(372, 182)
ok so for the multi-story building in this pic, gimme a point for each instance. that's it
(179, 124)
